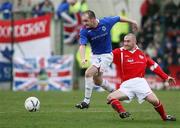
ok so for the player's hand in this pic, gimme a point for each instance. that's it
(83, 62)
(171, 80)
(134, 26)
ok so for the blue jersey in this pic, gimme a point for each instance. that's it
(99, 37)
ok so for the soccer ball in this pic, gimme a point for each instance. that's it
(32, 104)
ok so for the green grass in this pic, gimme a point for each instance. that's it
(57, 111)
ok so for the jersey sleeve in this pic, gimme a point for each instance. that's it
(83, 37)
(112, 20)
(153, 66)
(63, 8)
(116, 55)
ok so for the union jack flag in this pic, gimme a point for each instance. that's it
(71, 31)
(53, 73)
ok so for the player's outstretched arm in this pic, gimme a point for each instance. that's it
(154, 67)
(132, 22)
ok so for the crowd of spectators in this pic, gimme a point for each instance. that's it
(21, 8)
(160, 32)
(39, 8)
(66, 10)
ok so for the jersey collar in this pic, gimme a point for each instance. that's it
(132, 51)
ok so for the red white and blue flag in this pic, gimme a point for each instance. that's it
(71, 31)
(31, 38)
(53, 73)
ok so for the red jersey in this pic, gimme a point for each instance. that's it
(133, 64)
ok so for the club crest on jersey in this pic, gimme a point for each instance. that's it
(103, 28)
(130, 60)
(141, 57)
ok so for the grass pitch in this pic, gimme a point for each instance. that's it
(58, 111)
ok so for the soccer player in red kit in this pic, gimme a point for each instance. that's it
(131, 63)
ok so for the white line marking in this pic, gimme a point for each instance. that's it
(75, 111)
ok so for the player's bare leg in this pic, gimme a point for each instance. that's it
(89, 84)
(98, 80)
(93, 77)
(113, 99)
(152, 98)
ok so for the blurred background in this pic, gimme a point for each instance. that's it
(39, 41)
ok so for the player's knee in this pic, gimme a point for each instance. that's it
(97, 80)
(88, 74)
(109, 98)
(152, 99)
(155, 102)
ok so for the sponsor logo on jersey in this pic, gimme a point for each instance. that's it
(103, 28)
(99, 36)
(130, 60)
(141, 57)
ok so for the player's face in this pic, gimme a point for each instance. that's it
(129, 43)
(87, 22)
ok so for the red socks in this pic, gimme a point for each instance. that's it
(160, 109)
(117, 105)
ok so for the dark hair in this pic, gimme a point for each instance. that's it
(90, 13)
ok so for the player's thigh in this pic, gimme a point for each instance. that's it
(91, 71)
(152, 98)
(117, 95)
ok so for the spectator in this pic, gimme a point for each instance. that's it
(28, 8)
(168, 46)
(149, 10)
(84, 6)
(47, 7)
(158, 34)
(36, 11)
(170, 8)
(69, 10)
(77, 6)
(63, 11)
(170, 14)
(148, 32)
(6, 9)
(153, 9)
(159, 49)
(19, 10)
(177, 57)
(160, 62)
(119, 30)
(151, 50)
(144, 11)
(169, 60)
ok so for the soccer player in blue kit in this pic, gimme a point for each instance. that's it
(97, 33)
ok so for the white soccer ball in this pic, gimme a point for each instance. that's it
(32, 104)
